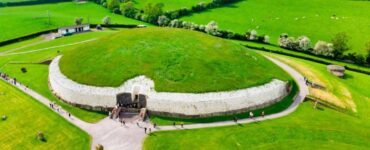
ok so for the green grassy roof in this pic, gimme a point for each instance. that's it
(177, 60)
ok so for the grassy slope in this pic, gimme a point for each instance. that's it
(202, 63)
(170, 4)
(26, 117)
(306, 128)
(36, 77)
(261, 15)
(23, 20)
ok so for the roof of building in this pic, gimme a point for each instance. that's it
(74, 26)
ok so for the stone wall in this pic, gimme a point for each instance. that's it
(165, 103)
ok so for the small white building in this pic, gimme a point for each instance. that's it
(74, 29)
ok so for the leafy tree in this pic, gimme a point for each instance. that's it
(367, 48)
(128, 9)
(304, 43)
(163, 20)
(152, 12)
(323, 48)
(106, 20)
(111, 4)
(266, 39)
(78, 21)
(212, 28)
(340, 45)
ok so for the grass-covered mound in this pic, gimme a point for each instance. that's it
(177, 60)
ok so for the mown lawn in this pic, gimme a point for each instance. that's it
(36, 77)
(306, 128)
(26, 117)
(23, 20)
(169, 4)
(304, 17)
(178, 61)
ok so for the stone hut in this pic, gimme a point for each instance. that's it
(336, 70)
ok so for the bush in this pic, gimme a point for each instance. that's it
(112, 4)
(340, 45)
(163, 20)
(106, 20)
(128, 9)
(212, 28)
(323, 48)
(24, 70)
(266, 39)
(282, 42)
(253, 35)
(78, 21)
(304, 43)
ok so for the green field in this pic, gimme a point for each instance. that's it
(304, 17)
(36, 77)
(170, 4)
(178, 61)
(26, 117)
(24, 20)
(306, 128)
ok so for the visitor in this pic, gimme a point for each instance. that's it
(150, 130)
(123, 122)
(145, 129)
(251, 115)
(174, 124)
(110, 115)
(263, 114)
(235, 120)
(137, 123)
(69, 115)
(182, 125)
(154, 125)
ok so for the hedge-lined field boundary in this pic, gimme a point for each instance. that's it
(33, 2)
(304, 57)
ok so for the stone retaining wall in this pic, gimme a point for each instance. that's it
(165, 103)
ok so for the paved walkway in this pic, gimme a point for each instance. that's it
(115, 136)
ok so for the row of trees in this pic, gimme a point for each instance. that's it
(151, 12)
(334, 49)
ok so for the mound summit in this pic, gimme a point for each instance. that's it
(176, 60)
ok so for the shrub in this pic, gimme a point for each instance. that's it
(128, 9)
(367, 48)
(304, 43)
(323, 48)
(253, 35)
(175, 23)
(106, 20)
(24, 70)
(282, 42)
(230, 34)
(41, 136)
(266, 39)
(111, 4)
(78, 21)
(340, 45)
(152, 12)
(212, 28)
(163, 20)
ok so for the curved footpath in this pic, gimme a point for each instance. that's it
(113, 136)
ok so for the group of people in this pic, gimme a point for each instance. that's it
(57, 108)
(7, 78)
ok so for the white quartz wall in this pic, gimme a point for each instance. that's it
(165, 102)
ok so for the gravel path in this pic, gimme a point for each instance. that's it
(115, 136)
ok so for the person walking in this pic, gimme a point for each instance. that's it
(235, 120)
(174, 124)
(154, 125)
(69, 115)
(182, 125)
(251, 115)
(263, 114)
(145, 130)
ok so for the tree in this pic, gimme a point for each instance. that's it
(128, 9)
(106, 20)
(153, 12)
(111, 4)
(266, 39)
(212, 28)
(367, 48)
(304, 43)
(163, 20)
(340, 45)
(78, 21)
(253, 35)
(323, 48)
(283, 40)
